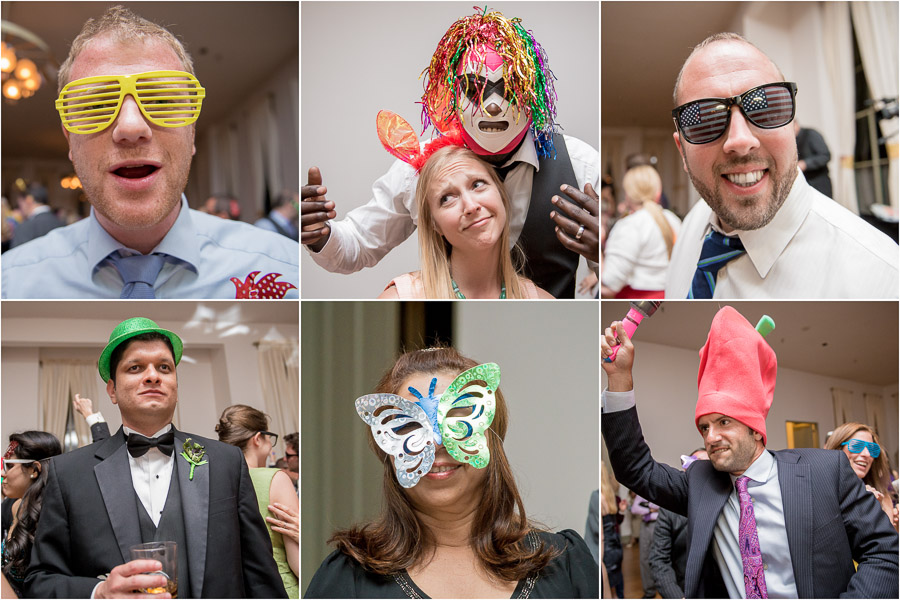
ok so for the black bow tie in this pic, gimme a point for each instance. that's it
(138, 444)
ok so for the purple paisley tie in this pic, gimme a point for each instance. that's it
(754, 578)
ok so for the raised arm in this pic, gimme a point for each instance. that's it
(629, 455)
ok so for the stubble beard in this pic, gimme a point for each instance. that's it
(153, 210)
(751, 212)
(741, 457)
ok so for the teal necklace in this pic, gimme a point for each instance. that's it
(459, 294)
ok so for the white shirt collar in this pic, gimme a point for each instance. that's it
(761, 469)
(129, 431)
(765, 245)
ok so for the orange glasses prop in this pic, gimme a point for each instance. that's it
(166, 98)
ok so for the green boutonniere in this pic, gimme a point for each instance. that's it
(193, 453)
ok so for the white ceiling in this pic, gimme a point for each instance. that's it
(234, 45)
(642, 48)
(848, 340)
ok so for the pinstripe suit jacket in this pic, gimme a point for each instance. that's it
(831, 519)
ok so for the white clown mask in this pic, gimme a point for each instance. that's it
(490, 124)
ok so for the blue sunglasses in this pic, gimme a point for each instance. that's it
(856, 446)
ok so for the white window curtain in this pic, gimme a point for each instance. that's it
(838, 58)
(60, 380)
(874, 411)
(876, 25)
(842, 400)
(279, 374)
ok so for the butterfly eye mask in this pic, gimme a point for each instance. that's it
(410, 431)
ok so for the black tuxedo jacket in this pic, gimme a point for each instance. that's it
(89, 520)
(831, 519)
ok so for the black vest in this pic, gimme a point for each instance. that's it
(549, 265)
(170, 529)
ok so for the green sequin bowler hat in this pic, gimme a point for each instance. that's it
(128, 329)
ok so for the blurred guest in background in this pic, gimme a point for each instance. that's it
(292, 457)
(95, 420)
(813, 155)
(283, 216)
(224, 207)
(24, 478)
(39, 217)
(637, 252)
(612, 543)
(245, 427)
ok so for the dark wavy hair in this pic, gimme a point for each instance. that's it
(38, 446)
(396, 540)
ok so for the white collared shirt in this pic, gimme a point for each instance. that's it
(151, 475)
(368, 232)
(812, 248)
(635, 253)
(768, 509)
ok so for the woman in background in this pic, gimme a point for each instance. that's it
(860, 444)
(24, 478)
(246, 428)
(639, 246)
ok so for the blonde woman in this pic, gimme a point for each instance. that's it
(463, 234)
(612, 544)
(639, 246)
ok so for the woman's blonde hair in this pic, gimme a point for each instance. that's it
(434, 250)
(644, 185)
(879, 473)
(608, 489)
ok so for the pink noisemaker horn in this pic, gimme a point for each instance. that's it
(636, 314)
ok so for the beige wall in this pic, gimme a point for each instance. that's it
(219, 366)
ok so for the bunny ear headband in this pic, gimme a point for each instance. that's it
(400, 139)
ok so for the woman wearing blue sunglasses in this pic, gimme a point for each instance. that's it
(860, 443)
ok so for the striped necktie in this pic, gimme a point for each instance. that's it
(138, 273)
(748, 539)
(716, 252)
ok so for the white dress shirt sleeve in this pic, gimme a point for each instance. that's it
(368, 232)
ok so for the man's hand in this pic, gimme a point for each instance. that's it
(315, 211)
(83, 405)
(581, 216)
(125, 580)
(618, 371)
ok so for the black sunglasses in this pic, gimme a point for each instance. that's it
(768, 106)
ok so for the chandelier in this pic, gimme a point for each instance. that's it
(25, 62)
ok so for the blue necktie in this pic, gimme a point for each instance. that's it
(138, 272)
(716, 252)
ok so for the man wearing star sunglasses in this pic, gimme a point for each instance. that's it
(761, 230)
(128, 102)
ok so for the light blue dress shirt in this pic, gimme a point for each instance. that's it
(768, 509)
(204, 253)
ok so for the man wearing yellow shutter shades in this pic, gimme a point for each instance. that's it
(128, 103)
